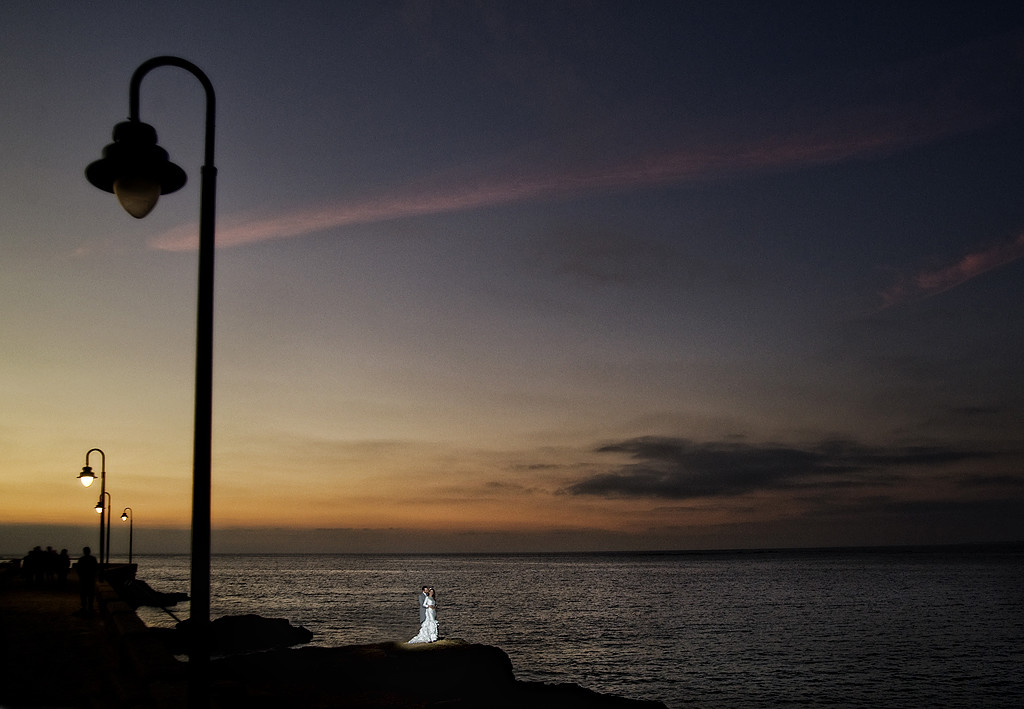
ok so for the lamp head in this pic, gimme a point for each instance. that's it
(86, 476)
(99, 507)
(135, 169)
(124, 516)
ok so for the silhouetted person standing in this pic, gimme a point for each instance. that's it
(35, 566)
(87, 567)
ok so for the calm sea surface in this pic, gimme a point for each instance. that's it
(910, 628)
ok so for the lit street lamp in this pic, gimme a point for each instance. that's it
(130, 518)
(87, 477)
(104, 509)
(135, 169)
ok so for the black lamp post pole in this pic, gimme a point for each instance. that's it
(105, 501)
(199, 654)
(87, 477)
(129, 515)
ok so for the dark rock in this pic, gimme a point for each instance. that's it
(450, 673)
(139, 593)
(234, 634)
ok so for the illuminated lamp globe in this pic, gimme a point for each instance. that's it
(135, 169)
(86, 476)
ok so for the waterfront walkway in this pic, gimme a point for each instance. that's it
(51, 655)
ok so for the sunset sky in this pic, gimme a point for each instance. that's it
(523, 276)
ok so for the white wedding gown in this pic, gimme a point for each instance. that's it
(428, 630)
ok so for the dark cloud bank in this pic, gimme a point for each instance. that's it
(679, 469)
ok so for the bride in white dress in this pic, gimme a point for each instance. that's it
(428, 630)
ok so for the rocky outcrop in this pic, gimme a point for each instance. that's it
(256, 666)
(450, 673)
(239, 634)
(139, 593)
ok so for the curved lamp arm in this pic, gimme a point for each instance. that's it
(87, 477)
(211, 99)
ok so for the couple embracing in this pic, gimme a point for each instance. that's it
(428, 617)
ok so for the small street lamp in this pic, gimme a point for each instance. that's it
(130, 518)
(86, 477)
(137, 171)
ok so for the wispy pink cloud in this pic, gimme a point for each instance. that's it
(679, 166)
(911, 105)
(933, 281)
(914, 104)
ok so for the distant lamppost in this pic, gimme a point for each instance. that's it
(130, 518)
(137, 170)
(103, 508)
(87, 477)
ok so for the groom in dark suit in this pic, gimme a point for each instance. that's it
(423, 609)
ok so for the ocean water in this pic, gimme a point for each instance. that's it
(849, 628)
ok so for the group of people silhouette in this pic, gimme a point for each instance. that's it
(49, 568)
(46, 566)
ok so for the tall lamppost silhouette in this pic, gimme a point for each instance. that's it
(87, 477)
(130, 518)
(138, 171)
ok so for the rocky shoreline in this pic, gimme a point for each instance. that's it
(257, 666)
(448, 673)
